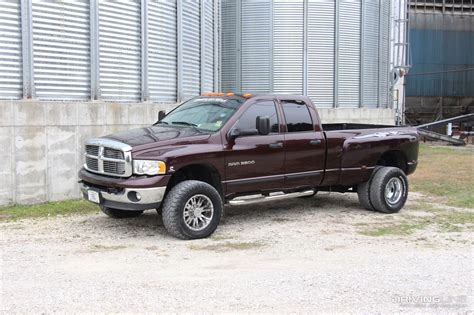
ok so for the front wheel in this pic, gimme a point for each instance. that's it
(389, 190)
(192, 210)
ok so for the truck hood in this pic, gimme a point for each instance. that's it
(153, 134)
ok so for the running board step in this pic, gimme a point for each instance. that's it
(244, 200)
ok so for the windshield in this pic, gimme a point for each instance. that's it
(208, 114)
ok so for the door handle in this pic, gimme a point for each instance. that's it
(315, 142)
(276, 145)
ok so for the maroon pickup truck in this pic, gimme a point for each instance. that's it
(221, 149)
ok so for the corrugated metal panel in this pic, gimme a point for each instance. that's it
(162, 43)
(384, 57)
(349, 54)
(256, 46)
(321, 52)
(120, 45)
(191, 49)
(288, 46)
(371, 53)
(229, 45)
(61, 51)
(10, 50)
(208, 75)
(436, 51)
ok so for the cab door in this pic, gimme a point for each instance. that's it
(255, 163)
(304, 146)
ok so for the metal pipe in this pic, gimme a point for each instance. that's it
(220, 45)
(378, 55)
(389, 87)
(271, 81)
(27, 49)
(216, 18)
(362, 51)
(462, 118)
(238, 45)
(95, 50)
(203, 37)
(305, 47)
(336, 54)
(179, 37)
(145, 92)
(438, 136)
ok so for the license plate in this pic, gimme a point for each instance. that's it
(93, 196)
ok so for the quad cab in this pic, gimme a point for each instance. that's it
(222, 149)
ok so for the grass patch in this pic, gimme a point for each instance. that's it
(446, 172)
(48, 209)
(446, 221)
(396, 229)
(228, 246)
(424, 206)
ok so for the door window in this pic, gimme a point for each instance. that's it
(297, 117)
(248, 120)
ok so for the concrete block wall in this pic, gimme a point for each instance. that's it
(41, 143)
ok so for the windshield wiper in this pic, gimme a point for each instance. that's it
(185, 123)
(161, 122)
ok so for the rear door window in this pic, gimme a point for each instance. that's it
(297, 117)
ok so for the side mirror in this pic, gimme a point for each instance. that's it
(263, 125)
(235, 133)
(161, 115)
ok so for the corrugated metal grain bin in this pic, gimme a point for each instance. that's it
(337, 52)
(131, 51)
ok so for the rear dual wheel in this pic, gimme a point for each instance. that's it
(386, 191)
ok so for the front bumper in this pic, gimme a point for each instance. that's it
(134, 199)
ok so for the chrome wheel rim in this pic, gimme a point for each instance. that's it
(393, 191)
(198, 212)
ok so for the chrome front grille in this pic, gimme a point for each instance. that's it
(92, 150)
(114, 167)
(108, 157)
(92, 163)
(113, 154)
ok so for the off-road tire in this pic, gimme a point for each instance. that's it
(363, 191)
(120, 214)
(175, 202)
(378, 188)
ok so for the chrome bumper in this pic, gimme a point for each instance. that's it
(128, 199)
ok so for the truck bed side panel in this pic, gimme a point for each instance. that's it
(353, 154)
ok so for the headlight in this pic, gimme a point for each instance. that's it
(146, 167)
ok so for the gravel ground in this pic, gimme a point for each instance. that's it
(300, 255)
